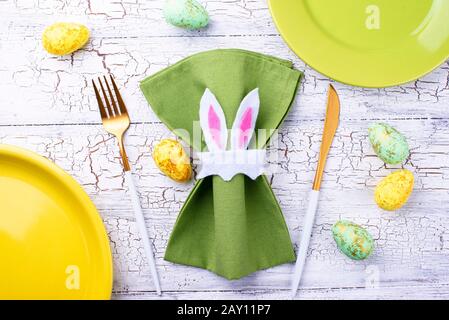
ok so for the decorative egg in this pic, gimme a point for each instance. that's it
(172, 160)
(393, 191)
(352, 239)
(62, 38)
(189, 14)
(388, 143)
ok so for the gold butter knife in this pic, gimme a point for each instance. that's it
(330, 126)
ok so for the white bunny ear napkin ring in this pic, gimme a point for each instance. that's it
(238, 159)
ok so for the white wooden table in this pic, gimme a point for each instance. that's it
(47, 105)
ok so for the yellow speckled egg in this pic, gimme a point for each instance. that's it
(62, 38)
(393, 191)
(172, 160)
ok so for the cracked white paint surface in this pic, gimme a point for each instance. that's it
(47, 105)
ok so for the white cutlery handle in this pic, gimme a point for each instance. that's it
(305, 239)
(142, 229)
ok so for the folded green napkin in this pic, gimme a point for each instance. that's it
(236, 227)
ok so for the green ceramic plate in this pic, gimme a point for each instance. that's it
(368, 43)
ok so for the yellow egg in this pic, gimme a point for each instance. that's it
(62, 38)
(172, 160)
(393, 191)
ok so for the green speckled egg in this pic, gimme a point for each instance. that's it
(189, 14)
(388, 143)
(353, 240)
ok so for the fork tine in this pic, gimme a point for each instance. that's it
(114, 105)
(100, 103)
(108, 106)
(119, 97)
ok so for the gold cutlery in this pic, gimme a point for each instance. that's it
(330, 127)
(116, 121)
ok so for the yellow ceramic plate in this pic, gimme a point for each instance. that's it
(368, 43)
(53, 244)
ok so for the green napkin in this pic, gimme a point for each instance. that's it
(231, 228)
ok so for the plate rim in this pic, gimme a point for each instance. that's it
(337, 78)
(77, 190)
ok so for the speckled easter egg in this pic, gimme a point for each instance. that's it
(393, 191)
(353, 240)
(189, 14)
(388, 143)
(172, 160)
(62, 38)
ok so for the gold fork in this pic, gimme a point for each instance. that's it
(116, 121)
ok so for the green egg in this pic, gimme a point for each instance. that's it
(188, 14)
(353, 240)
(388, 143)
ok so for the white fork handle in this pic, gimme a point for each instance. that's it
(142, 229)
(305, 239)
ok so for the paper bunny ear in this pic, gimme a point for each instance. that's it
(213, 122)
(245, 121)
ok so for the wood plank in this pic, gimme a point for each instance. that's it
(134, 18)
(43, 89)
(412, 244)
(426, 292)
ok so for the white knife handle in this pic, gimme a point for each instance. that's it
(143, 229)
(305, 239)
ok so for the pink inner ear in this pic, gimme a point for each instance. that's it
(214, 125)
(245, 127)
